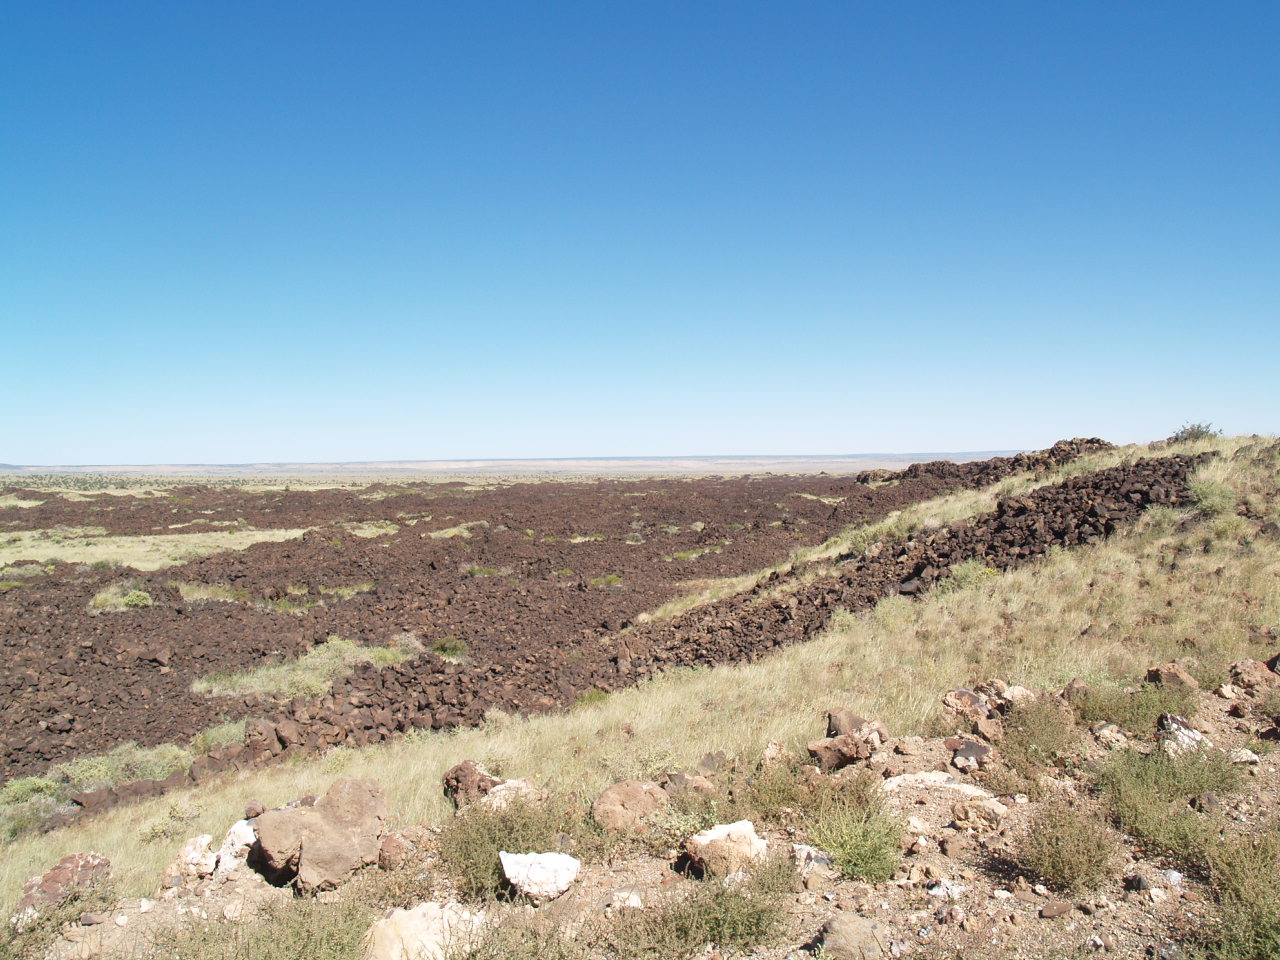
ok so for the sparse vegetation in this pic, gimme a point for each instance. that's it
(450, 648)
(855, 828)
(1036, 734)
(120, 597)
(1134, 709)
(470, 842)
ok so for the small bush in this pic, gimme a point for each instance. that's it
(521, 937)
(1069, 848)
(738, 917)
(302, 929)
(450, 648)
(1147, 797)
(1036, 734)
(137, 599)
(591, 698)
(969, 573)
(1193, 432)
(1136, 712)
(119, 597)
(856, 829)
(1243, 876)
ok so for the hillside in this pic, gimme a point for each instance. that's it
(1115, 588)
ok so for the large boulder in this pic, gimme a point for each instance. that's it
(1253, 675)
(628, 806)
(540, 876)
(320, 847)
(725, 848)
(427, 932)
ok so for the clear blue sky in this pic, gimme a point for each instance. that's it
(337, 231)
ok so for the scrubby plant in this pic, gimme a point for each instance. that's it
(1148, 797)
(1244, 875)
(741, 916)
(137, 599)
(855, 828)
(969, 573)
(299, 929)
(450, 648)
(1193, 432)
(1069, 848)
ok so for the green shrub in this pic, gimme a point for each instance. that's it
(854, 827)
(1136, 712)
(1245, 878)
(591, 698)
(1036, 734)
(969, 573)
(1069, 848)
(301, 929)
(1193, 432)
(137, 599)
(1148, 796)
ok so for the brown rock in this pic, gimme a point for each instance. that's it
(1253, 675)
(627, 806)
(834, 753)
(468, 782)
(1172, 675)
(966, 703)
(75, 871)
(1054, 909)
(1074, 690)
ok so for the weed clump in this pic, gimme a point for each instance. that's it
(450, 648)
(1069, 848)
(855, 828)
(736, 917)
(1242, 873)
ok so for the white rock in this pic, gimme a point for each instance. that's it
(726, 847)
(196, 858)
(524, 790)
(235, 846)
(424, 933)
(929, 779)
(1229, 691)
(540, 876)
(1244, 756)
(1002, 894)
(947, 888)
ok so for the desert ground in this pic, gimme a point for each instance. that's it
(1015, 706)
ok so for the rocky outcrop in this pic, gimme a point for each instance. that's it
(318, 848)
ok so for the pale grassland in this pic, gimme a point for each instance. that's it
(13, 501)
(1104, 613)
(371, 528)
(310, 675)
(91, 545)
(461, 530)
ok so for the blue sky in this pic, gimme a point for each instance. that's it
(334, 231)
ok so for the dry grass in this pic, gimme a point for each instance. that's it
(91, 545)
(310, 675)
(1078, 613)
(1069, 848)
